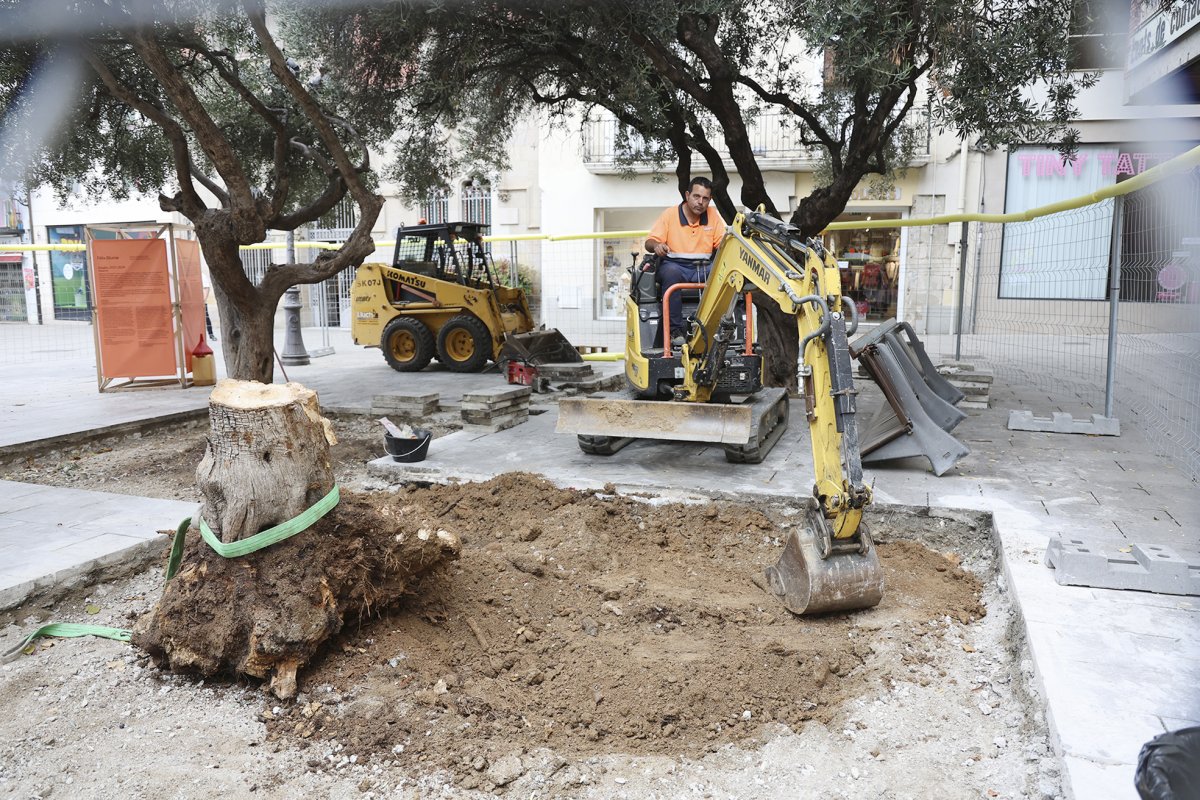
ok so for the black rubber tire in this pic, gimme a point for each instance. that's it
(407, 344)
(464, 344)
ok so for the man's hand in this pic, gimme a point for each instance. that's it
(660, 249)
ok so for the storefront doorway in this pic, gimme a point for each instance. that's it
(870, 264)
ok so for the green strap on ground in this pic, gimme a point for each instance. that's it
(65, 630)
(258, 541)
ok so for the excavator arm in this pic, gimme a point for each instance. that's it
(829, 562)
(830, 565)
(803, 279)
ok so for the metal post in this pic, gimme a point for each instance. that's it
(294, 353)
(1114, 300)
(962, 288)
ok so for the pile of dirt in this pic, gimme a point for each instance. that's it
(586, 622)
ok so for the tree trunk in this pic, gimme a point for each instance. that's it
(266, 614)
(780, 340)
(247, 313)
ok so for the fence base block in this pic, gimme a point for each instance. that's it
(1083, 561)
(1060, 422)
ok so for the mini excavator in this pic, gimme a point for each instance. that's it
(711, 390)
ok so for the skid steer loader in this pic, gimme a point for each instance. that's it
(440, 299)
(711, 390)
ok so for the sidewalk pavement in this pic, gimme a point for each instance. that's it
(1116, 668)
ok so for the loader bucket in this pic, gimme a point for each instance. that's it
(806, 583)
(538, 347)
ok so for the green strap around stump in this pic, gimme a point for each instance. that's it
(241, 547)
(258, 541)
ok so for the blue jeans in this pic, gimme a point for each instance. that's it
(673, 272)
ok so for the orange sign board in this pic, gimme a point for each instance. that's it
(133, 307)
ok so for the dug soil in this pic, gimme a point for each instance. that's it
(584, 644)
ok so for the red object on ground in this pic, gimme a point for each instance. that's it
(522, 374)
(202, 349)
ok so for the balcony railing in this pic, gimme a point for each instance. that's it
(773, 138)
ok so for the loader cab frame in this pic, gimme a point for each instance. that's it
(448, 251)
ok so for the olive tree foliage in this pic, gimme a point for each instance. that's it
(690, 77)
(198, 102)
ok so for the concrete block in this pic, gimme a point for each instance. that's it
(488, 418)
(976, 404)
(972, 388)
(496, 424)
(1061, 422)
(1087, 561)
(556, 372)
(517, 402)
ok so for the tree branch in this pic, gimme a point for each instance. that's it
(249, 226)
(359, 244)
(187, 200)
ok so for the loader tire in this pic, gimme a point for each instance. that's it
(464, 344)
(407, 344)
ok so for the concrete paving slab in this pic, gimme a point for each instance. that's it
(52, 537)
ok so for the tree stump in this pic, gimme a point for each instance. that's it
(267, 614)
(267, 459)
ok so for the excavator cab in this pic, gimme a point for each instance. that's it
(645, 315)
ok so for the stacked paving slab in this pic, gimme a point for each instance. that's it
(976, 384)
(405, 406)
(578, 378)
(496, 408)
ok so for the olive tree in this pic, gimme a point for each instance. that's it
(689, 78)
(199, 103)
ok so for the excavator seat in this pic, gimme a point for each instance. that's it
(646, 291)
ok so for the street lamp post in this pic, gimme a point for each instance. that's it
(294, 352)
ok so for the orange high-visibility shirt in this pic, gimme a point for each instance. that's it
(691, 239)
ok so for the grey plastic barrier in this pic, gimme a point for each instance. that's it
(914, 421)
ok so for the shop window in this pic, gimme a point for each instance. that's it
(616, 256)
(1067, 256)
(1062, 256)
(869, 265)
(1160, 249)
(68, 274)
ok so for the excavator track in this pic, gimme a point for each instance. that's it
(602, 445)
(772, 409)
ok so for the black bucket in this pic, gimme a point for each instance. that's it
(409, 450)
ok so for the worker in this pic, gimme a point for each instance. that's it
(685, 237)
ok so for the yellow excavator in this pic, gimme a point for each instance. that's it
(711, 390)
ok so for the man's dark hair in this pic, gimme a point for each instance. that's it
(700, 181)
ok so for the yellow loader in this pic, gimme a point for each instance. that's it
(440, 299)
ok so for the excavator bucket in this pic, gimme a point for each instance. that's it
(807, 583)
(538, 347)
